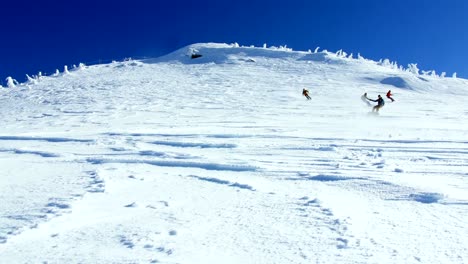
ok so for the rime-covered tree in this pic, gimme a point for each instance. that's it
(31, 80)
(11, 83)
(413, 68)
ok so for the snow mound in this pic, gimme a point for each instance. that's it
(220, 53)
(398, 82)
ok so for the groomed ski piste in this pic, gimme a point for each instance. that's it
(220, 159)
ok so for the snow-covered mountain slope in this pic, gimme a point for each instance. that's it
(220, 159)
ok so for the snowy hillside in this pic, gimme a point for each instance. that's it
(220, 159)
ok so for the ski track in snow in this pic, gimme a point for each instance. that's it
(204, 163)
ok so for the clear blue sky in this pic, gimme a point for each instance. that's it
(46, 35)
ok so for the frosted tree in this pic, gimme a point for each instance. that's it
(190, 52)
(360, 57)
(339, 53)
(442, 75)
(31, 80)
(413, 68)
(350, 56)
(81, 66)
(385, 62)
(454, 75)
(433, 73)
(65, 70)
(57, 73)
(316, 49)
(285, 48)
(264, 45)
(11, 83)
(235, 45)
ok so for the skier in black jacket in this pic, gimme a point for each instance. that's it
(380, 103)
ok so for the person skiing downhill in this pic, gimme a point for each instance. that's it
(306, 94)
(364, 99)
(380, 103)
(389, 95)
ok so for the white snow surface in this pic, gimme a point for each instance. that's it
(220, 159)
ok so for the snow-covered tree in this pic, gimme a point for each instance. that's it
(339, 53)
(316, 49)
(65, 70)
(413, 68)
(385, 62)
(57, 73)
(31, 80)
(235, 45)
(11, 83)
(350, 56)
(360, 57)
(81, 66)
(442, 75)
(190, 53)
(285, 48)
(454, 75)
(264, 45)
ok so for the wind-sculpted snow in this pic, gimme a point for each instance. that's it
(220, 159)
(48, 139)
(32, 152)
(193, 145)
(182, 164)
(228, 183)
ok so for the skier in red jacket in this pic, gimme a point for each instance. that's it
(389, 95)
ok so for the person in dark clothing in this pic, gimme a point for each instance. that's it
(389, 95)
(306, 94)
(380, 103)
